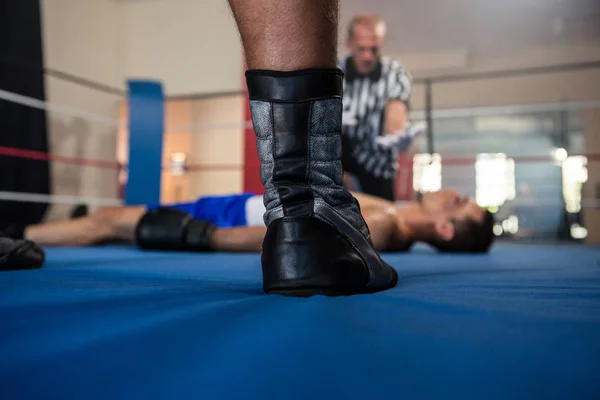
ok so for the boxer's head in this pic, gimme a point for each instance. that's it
(463, 225)
(451, 203)
(364, 41)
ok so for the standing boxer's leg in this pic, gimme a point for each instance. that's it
(316, 240)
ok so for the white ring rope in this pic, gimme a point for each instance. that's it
(415, 115)
(207, 127)
(436, 114)
(534, 203)
(508, 110)
(59, 199)
(58, 109)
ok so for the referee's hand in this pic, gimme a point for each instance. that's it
(349, 119)
(402, 140)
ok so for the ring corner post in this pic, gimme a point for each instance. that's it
(146, 131)
(429, 116)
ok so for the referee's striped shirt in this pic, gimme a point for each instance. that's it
(365, 99)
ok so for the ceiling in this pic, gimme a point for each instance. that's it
(480, 25)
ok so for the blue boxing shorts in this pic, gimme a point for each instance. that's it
(223, 211)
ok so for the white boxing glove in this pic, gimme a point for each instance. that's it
(349, 119)
(402, 140)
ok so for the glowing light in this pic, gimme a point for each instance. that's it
(178, 163)
(578, 232)
(560, 154)
(494, 179)
(498, 231)
(574, 175)
(427, 173)
(513, 224)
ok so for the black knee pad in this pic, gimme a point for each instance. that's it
(172, 229)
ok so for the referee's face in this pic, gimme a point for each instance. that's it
(365, 46)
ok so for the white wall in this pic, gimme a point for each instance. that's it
(82, 38)
(192, 46)
(552, 87)
(219, 153)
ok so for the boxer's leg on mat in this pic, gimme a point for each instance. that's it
(316, 240)
(239, 239)
(111, 223)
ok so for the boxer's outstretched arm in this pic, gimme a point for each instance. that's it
(287, 35)
(112, 223)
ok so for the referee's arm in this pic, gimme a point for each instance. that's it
(399, 90)
(395, 116)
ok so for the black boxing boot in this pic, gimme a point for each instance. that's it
(317, 241)
(18, 254)
(13, 231)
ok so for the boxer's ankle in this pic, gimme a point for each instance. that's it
(297, 118)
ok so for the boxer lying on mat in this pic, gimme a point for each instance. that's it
(446, 220)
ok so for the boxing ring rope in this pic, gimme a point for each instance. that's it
(64, 76)
(59, 199)
(465, 112)
(507, 225)
(417, 115)
(429, 82)
(193, 167)
(41, 156)
(444, 113)
(57, 109)
(470, 161)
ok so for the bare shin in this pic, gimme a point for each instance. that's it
(287, 35)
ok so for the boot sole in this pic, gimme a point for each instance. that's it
(309, 292)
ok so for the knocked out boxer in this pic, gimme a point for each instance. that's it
(445, 219)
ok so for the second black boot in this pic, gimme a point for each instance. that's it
(317, 241)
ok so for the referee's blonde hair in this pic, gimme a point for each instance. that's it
(369, 21)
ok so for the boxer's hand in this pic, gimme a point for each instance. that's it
(171, 229)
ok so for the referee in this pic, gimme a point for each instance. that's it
(376, 98)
